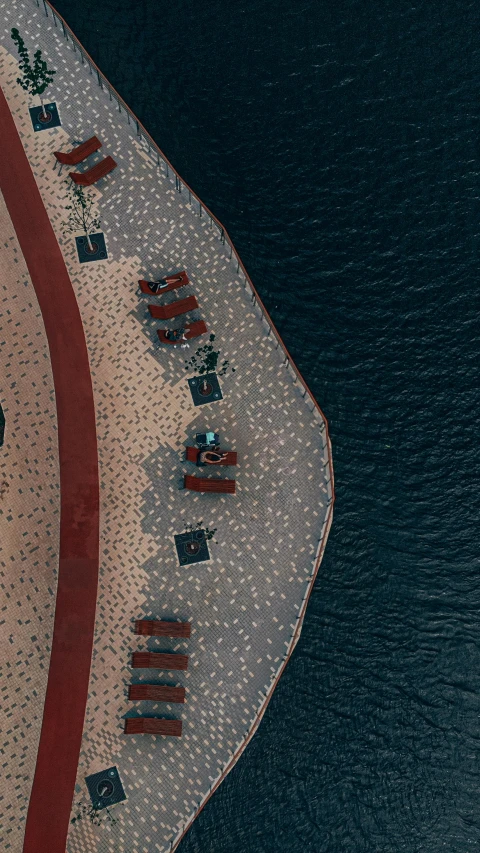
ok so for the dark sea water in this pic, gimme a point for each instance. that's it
(338, 143)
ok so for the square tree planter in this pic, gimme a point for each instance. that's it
(191, 547)
(39, 123)
(98, 243)
(201, 395)
(105, 788)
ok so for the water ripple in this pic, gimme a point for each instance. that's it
(339, 145)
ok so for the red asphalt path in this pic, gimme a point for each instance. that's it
(68, 676)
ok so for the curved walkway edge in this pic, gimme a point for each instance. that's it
(67, 688)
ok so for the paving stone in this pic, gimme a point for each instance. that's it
(29, 520)
(243, 604)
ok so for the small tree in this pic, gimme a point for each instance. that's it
(205, 360)
(94, 815)
(81, 216)
(209, 534)
(35, 77)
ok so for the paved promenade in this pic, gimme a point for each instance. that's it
(30, 526)
(244, 603)
(79, 499)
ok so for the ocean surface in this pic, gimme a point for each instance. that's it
(338, 143)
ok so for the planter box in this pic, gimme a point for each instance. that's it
(105, 788)
(152, 726)
(198, 553)
(38, 123)
(214, 390)
(84, 255)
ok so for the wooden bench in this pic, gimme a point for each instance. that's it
(192, 454)
(156, 693)
(80, 153)
(86, 179)
(193, 330)
(152, 726)
(159, 660)
(164, 285)
(166, 312)
(204, 484)
(156, 628)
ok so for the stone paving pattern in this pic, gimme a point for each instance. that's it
(29, 523)
(244, 602)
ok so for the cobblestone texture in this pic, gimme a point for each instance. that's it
(29, 523)
(244, 602)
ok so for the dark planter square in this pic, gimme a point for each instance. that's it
(105, 788)
(84, 256)
(198, 551)
(214, 390)
(38, 123)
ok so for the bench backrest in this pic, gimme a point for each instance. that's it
(192, 453)
(156, 693)
(159, 660)
(156, 628)
(181, 306)
(202, 484)
(197, 328)
(152, 726)
(95, 173)
(80, 153)
(100, 169)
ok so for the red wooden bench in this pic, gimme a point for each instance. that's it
(193, 330)
(152, 726)
(86, 179)
(81, 152)
(156, 693)
(192, 454)
(156, 628)
(159, 660)
(166, 312)
(170, 282)
(204, 484)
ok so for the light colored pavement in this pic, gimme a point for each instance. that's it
(71, 649)
(29, 539)
(244, 602)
